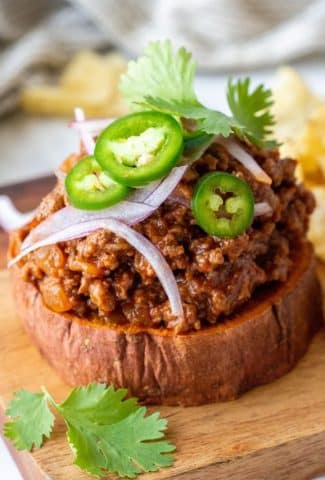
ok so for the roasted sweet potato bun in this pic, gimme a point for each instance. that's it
(261, 342)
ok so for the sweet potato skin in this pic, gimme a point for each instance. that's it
(258, 344)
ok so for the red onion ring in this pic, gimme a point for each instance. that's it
(87, 140)
(141, 194)
(245, 159)
(128, 212)
(93, 126)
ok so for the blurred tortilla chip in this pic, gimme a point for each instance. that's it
(313, 141)
(317, 223)
(294, 104)
(89, 81)
(300, 127)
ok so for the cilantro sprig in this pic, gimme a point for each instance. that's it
(163, 80)
(106, 432)
(252, 117)
(34, 420)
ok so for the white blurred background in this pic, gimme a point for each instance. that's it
(38, 38)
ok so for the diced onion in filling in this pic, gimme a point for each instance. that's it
(262, 208)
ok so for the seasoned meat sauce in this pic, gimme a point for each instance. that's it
(102, 277)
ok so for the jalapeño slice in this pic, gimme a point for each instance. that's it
(90, 188)
(223, 204)
(140, 147)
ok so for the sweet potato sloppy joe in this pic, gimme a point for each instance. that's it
(175, 239)
(102, 277)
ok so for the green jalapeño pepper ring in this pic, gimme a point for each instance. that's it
(90, 188)
(140, 147)
(223, 204)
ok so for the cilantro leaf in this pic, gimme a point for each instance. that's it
(105, 431)
(160, 73)
(99, 404)
(251, 110)
(211, 121)
(84, 444)
(135, 448)
(127, 447)
(163, 80)
(32, 419)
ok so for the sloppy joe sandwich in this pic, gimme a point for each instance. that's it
(171, 257)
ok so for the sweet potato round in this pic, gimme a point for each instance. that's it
(256, 345)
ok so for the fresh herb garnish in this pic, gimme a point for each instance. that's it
(252, 117)
(106, 432)
(33, 420)
(163, 80)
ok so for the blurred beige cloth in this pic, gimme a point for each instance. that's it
(224, 35)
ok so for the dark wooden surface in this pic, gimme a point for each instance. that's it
(25, 196)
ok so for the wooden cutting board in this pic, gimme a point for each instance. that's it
(276, 432)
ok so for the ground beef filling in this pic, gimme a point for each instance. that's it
(103, 278)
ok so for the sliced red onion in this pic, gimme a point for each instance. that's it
(141, 194)
(86, 138)
(10, 217)
(128, 212)
(245, 159)
(162, 192)
(262, 208)
(139, 205)
(93, 126)
(138, 241)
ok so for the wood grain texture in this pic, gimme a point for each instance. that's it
(26, 196)
(25, 462)
(275, 432)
